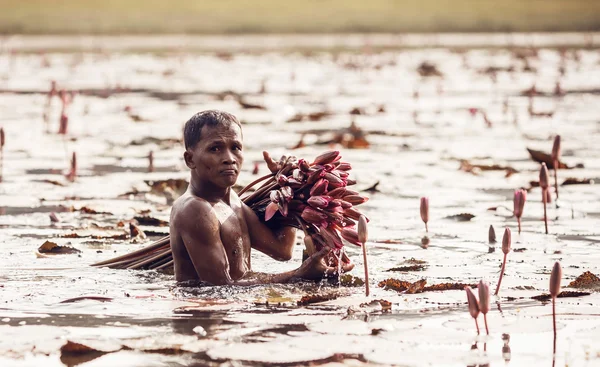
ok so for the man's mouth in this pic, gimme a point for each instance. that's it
(229, 172)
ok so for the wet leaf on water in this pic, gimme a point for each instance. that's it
(427, 69)
(53, 182)
(389, 242)
(578, 181)
(462, 217)
(563, 294)
(417, 287)
(348, 280)
(408, 268)
(521, 249)
(412, 260)
(448, 287)
(476, 169)
(395, 284)
(121, 236)
(177, 186)
(151, 221)
(82, 298)
(585, 280)
(87, 210)
(52, 248)
(542, 157)
(316, 298)
(385, 304)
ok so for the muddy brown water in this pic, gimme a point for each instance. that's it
(416, 143)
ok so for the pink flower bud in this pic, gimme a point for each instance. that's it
(275, 196)
(363, 232)
(298, 175)
(303, 165)
(313, 216)
(544, 176)
(337, 192)
(519, 202)
(350, 235)
(270, 210)
(424, 209)
(506, 241)
(344, 204)
(282, 180)
(343, 166)
(555, 280)
(350, 182)
(319, 201)
(327, 157)
(491, 234)
(352, 213)
(287, 193)
(349, 192)
(356, 199)
(319, 188)
(334, 181)
(341, 174)
(484, 297)
(473, 304)
(314, 175)
(556, 150)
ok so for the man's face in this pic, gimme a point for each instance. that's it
(217, 157)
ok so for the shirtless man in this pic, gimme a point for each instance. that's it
(212, 230)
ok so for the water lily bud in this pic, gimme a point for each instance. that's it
(344, 204)
(303, 165)
(484, 297)
(491, 234)
(327, 157)
(319, 201)
(343, 166)
(356, 199)
(287, 193)
(544, 176)
(350, 235)
(314, 175)
(473, 304)
(425, 209)
(349, 192)
(363, 232)
(275, 196)
(352, 213)
(337, 192)
(298, 175)
(328, 167)
(555, 280)
(506, 241)
(556, 150)
(341, 174)
(319, 187)
(282, 180)
(333, 179)
(519, 202)
(313, 216)
(350, 182)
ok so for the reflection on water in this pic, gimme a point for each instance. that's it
(431, 136)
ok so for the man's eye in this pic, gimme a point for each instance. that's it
(214, 149)
(237, 147)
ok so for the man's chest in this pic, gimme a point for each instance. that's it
(234, 236)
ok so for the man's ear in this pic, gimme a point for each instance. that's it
(187, 156)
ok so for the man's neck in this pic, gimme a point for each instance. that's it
(208, 192)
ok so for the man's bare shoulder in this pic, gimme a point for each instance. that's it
(192, 211)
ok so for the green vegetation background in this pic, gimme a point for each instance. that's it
(284, 16)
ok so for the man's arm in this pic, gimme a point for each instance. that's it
(277, 243)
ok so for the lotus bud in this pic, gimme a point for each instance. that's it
(287, 193)
(334, 203)
(334, 208)
(350, 235)
(363, 232)
(349, 192)
(328, 167)
(337, 192)
(555, 277)
(556, 150)
(424, 211)
(275, 196)
(491, 235)
(319, 188)
(473, 304)
(314, 175)
(327, 157)
(350, 182)
(352, 213)
(519, 202)
(313, 216)
(356, 199)
(341, 174)
(298, 175)
(333, 179)
(484, 297)
(343, 166)
(319, 201)
(506, 241)
(303, 165)
(344, 204)
(282, 180)
(544, 176)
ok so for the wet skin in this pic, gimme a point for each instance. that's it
(213, 231)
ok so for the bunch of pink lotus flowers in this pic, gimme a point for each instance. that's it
(313, 197)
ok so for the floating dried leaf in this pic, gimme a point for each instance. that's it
(77, 348)
(542, 157)
(82, 298)
(563, 294)
(52, 248)
(585, 280)
(417, 287)
(316, 298)
(462, 217)
(348, 280)
(408, 268)
(87, 210)
(151, 221)
(578, 181)
(448, 287)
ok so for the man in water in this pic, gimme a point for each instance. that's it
(212, 230)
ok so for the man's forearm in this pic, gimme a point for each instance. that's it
(253, 278)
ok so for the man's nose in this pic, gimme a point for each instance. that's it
(229, 158)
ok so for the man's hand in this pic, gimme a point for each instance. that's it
(315, 267)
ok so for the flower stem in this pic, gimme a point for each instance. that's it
(556, 178)
(426, 228)
(254, 183)
(477, 326)
(554, 321)
(519, 222)
(364, 249)
(545, 216)
(486, 325)
(501, 274)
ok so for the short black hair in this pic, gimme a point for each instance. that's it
(193, 126)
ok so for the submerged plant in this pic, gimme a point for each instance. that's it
(544, 186)
(519, 204)
(555, 161)
(506, 242)
(425, 211)
(151, 161)
(363, 234)
(473, 306)
(484, 302)
(555, 277)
